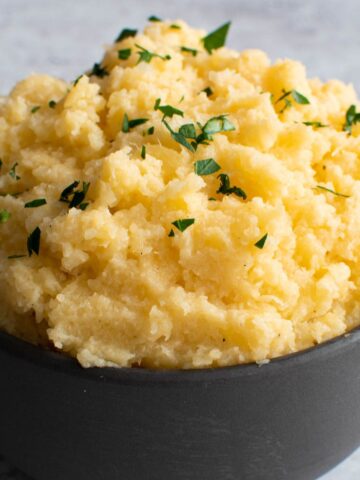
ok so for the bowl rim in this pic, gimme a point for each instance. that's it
(60, 362)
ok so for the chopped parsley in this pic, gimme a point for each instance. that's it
(127, 124)
(315, 124)
(12, 172)
(99, 71)
(143, 152)
(33, 242)
(351, 118)
(77, 79)
(226, 189)
(124, 54)
(126, 33)
(146, 56)
(295, 95)
(206, 167)
(208, 91)
(150, 130)
(78, 196)
(183, 223)
(171, 233)
(193, 51)
(260, 243)
(4, 216)
(175, 27)
(332, 191)
(188, 130)
(167, 110)
(35, 109)
(218, 124)
(52, 104)
(179, 137)
(38, 202)
(217, 38)
(154, 19)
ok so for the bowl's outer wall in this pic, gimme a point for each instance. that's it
(292, 419)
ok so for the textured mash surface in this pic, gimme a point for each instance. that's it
(109, 285)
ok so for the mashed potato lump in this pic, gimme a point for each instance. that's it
(182, 205)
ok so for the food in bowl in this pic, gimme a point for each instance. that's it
(181, 205)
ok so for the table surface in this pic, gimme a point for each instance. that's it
(64, 38)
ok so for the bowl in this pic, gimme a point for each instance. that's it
(293, 418)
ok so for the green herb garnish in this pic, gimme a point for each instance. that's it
(151, 130)
(332, 191)
(175, 27)
(208, 91)
(217, 38)
(154, 19)
(260, 243)
(77, 195)
(226, 189)
(77, 79)
(99, 71)
(188, 130)
(35, 109)
(146, 56)
(183, 223)
(52, 104)
(143, 152)
(193, 51)
(15, 256)
(179, 137)
(124, 54)
(35, 203)
(167, 110)
(352, 118)
(315, 124)
(171, 233)
(206, 167)
(295, 95)
(33, 242)
(12, 172)
(127, 124)
(218, 124)
(4, 216)
(126, 33)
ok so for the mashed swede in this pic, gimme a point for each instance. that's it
(109, 285)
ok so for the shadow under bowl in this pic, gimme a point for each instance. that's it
(293, 418)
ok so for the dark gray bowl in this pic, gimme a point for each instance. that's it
(294, 418)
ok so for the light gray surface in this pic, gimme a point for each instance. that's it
(64, 38)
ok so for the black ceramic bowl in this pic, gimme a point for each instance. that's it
(294, 418)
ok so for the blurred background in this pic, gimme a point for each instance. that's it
(65, 38)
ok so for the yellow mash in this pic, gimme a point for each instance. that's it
(234, 279)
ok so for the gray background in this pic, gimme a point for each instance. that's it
(64, 38)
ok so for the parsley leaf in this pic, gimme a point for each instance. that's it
(217, 38)
(154, 19)
(124, 54)
(126, 33)
(193, 51)
(99, 71)
(352, 118)
(150, 130)
(206, 167)
(175, 27)
(260, 243)
(208, 91)
(332, 191)
(167, 110)
(4, 216)
(12, 172)
(296, 96)
(33, 242)
(77, 79)
(35, 109)
(77, 195)
(52, 104)
(218, 124)
(226, 189)
(179, 137)
(188, 130)
(129, 124)
(143, 152)
(183, 223)
(69, 190)
(35, 203)
(299, 98)
(171, 233)
(147, 56)
(315, 124)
